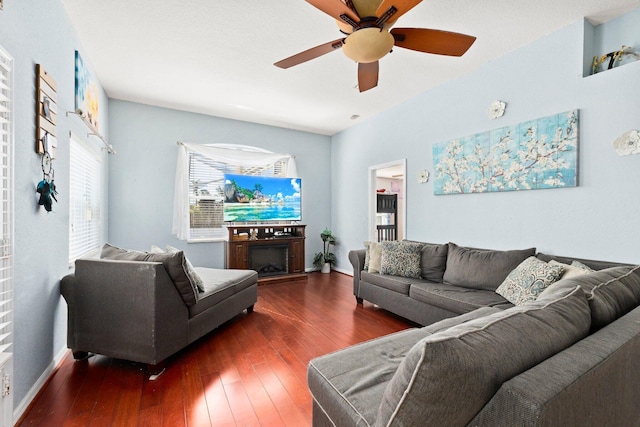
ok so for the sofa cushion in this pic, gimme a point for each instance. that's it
(393, 283)
(348, 384)
(528, 280)
(481, 268)
(612, 293)
(220, 284)
(447, 377)
(401, 258)
(591, 263)
(116, 253)
(455, 298)
(433, 262)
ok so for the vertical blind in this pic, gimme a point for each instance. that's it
(6, 205)
(84, 200)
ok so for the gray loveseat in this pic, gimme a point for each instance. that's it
(145, 307)
(569, 357)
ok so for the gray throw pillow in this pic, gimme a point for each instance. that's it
(401, 259)
(447, 377)
(194, 278)
(481, 268)
(176, 266)
(116, 253)
(434, 261)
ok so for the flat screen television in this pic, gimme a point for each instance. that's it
(261, 198)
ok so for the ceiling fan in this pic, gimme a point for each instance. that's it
(366, 24)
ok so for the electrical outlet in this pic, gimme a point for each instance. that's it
(6, 385)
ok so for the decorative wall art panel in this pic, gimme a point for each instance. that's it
(536, 154)
(86, 93)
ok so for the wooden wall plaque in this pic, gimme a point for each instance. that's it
(47, 113)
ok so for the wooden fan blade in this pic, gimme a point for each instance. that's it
(336, 9)
(367, 75)
(309, 54)
(402, 6)
(432, 41)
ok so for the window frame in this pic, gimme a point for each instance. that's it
(217, 234)
(96, 200)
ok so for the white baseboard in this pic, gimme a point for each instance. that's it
(343, 271)
(339, 270)
(33, 392)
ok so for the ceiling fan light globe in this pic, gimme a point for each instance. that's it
(368, 45)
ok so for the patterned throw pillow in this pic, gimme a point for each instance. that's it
(401, 259)
(528, 280)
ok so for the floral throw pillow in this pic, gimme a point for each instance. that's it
(401, 259)
(528, 280)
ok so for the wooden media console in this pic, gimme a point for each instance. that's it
(276, 252)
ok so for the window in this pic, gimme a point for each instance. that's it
(6, 227)
(85, 219)
(198, 213)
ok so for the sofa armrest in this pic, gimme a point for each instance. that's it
(124, 309)
(594, 382)
(356, 257)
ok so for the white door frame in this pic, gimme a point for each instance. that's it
(372, 198)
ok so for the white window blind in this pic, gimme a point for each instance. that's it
(84, 200)
(206, 190)
(6, 207)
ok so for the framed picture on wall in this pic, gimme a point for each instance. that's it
(86, 93)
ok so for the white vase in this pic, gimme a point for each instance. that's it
(326, 268)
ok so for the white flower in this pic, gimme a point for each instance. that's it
(496, 109)
(627, 143)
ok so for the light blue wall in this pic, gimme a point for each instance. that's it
(598, 219)
(142, 174)
(39, 32)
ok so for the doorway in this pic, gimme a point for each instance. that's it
(388, 179)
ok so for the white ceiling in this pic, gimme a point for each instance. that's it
(216, 57)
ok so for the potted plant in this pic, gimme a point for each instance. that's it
(323, 260)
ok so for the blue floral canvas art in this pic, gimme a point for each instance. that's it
(536, 154)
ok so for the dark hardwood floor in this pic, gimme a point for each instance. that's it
(251, 371)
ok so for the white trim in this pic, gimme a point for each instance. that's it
(372, 200)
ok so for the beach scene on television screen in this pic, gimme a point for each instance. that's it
(261, 198)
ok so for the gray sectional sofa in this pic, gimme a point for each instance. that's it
(567, 356)
(144, 307)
